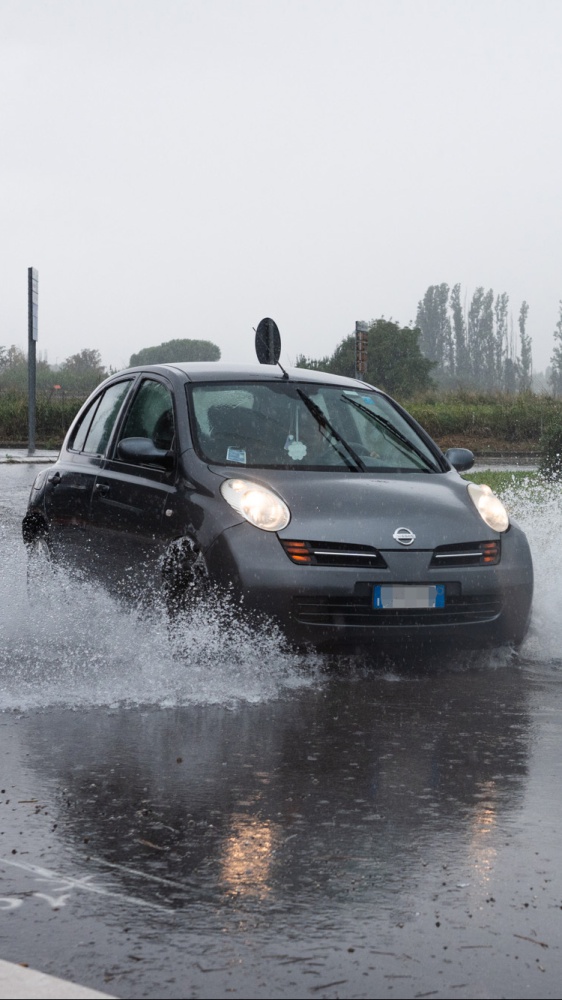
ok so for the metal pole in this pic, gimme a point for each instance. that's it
(361, 338)
(32, 313)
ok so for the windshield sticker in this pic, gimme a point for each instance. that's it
(236, 455)
(357, 395)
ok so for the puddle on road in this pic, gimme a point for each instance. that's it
(84, 649)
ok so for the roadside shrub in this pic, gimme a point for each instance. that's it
(53, 417)
(550, 452)
(514, 419)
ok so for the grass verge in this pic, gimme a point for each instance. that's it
(499, 482)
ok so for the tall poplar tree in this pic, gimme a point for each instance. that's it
(487, 343)
(501, 339)
(473, 342)
(556, 358)
(475, 348)
(526, 359)
(459, 334)
(432, 320)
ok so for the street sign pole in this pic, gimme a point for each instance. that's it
(32, 313)
(361, 340)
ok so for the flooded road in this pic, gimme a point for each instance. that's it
(207, 815)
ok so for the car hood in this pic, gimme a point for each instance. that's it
(365, 509)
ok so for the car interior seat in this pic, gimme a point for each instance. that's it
(163, 434)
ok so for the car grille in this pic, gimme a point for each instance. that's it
(356, 611)
(467, 554)
(332, 554)
(342, 554)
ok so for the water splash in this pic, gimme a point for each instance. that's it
(75, 646)
(537, 508)
(78, 647)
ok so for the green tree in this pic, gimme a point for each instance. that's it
(473, 341)
(176, 350)
(459, 334)
(14, 372)
(394, 359)
(526, 359)
(11, 357)
(511, 375)
(556, 358)
(81, 372)
(501, 354)
(489, 376)
(436, 337)
(317, 364)
(478, 352)
(13, 369)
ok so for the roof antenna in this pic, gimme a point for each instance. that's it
(268, 344)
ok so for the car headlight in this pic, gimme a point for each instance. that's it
(260, 506)
(489, 506)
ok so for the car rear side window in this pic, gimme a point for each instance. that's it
(92, 433)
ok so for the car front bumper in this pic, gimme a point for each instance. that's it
(332, 606)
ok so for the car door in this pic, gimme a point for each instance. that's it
(69, 485)
(132, 501)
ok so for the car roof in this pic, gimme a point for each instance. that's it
(217, 371)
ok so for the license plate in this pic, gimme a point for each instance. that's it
(409, 596)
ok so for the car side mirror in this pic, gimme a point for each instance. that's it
(460, 458)
(143, 451)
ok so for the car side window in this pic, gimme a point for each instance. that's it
(92, 433)
(151, 416)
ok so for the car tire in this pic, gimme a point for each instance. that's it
(40, 569)
(184, 575)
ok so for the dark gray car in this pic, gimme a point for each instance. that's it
(306, 498)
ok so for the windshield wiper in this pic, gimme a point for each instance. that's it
(386, 424)
(319, 415)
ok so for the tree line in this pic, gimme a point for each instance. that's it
(395, 361)
(474, 344)
(455, 344)
(80, 373)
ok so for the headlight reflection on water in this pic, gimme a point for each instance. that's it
(247, 856)
(483, 826)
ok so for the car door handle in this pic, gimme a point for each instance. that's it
(55, 478)
(102, 489)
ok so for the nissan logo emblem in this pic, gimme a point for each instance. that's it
(404, 536)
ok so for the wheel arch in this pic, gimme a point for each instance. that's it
(34, 525)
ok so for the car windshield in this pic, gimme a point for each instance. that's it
(298, 425)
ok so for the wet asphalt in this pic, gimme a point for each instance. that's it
(209, 816)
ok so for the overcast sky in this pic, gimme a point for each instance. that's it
(182, 168)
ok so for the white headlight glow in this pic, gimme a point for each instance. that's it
(489, 506)
(260, 506)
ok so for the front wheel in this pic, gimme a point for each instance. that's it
(185, 576)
